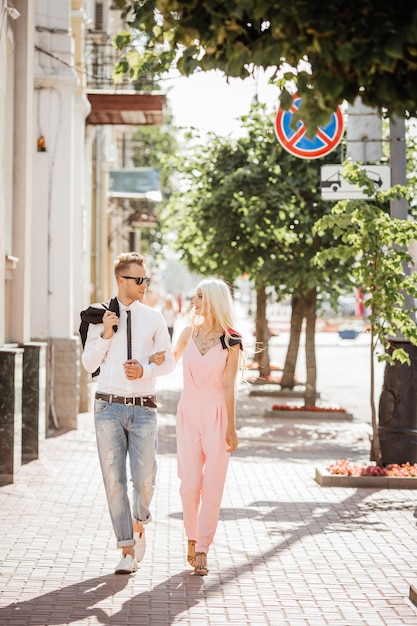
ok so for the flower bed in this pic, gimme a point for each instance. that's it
(343, 473)
(346, 468)
(318, 409)
(319, 412)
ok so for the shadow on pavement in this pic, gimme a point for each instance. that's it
(76, 603)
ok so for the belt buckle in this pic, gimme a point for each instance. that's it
(130, 401)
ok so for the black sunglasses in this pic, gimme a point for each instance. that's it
(139, 280)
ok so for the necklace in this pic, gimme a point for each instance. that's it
(206, 340)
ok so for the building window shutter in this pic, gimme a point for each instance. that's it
(99, 17)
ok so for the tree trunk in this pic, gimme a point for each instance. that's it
(310, 348)
(262, 333)
(376, 454)
(297, 316)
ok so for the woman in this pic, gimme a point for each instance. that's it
(206, 431)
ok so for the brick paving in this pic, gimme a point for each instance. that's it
(287, 551)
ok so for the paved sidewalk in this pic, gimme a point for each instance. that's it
(287, 551)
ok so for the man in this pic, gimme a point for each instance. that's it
(125, 412)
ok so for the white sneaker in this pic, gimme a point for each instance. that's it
(140, 545)
(127, 565)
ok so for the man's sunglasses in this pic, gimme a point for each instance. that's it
(139, 280)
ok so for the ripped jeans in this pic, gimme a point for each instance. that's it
(120, 431)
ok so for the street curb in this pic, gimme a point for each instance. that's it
(325, 479)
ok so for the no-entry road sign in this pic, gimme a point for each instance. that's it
(295, 141)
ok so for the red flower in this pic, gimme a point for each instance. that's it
(346, 468)
(291, 407)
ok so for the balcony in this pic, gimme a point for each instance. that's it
(132, 103)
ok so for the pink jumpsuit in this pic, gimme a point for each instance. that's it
(201, 442)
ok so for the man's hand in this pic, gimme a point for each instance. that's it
(109, 320)
(133, 369)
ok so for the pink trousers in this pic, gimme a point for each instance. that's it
(202, 465)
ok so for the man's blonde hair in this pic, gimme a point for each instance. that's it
(124, 260)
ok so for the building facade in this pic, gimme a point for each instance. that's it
(58, 135)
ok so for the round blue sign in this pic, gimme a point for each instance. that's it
(297, 143)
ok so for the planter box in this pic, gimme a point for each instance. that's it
(334, 416)
(324, 479)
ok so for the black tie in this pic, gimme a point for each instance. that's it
(129, 336)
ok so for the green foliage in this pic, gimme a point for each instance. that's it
(138, 58)
(374, 249)
(248, 206)
(329, 51)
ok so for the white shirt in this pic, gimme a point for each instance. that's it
(149, 335)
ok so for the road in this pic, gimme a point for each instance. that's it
(343, 365)
(343, 370)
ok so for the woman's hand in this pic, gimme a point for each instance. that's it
(157, 357)
(231, 439)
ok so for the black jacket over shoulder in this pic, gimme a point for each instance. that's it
(234, 339)
(94, 315)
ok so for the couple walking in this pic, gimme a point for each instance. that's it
(127, 346)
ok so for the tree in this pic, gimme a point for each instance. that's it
(248, 206)
(329, 52)
(374, 249)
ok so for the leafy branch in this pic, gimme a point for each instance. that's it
(328, 52)
(375, 249)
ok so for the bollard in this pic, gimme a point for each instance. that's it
(33, 399)
(11, 366)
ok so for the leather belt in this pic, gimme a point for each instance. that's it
(149, 401)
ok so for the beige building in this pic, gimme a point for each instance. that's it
(59, 135)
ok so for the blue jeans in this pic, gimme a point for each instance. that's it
(120, 430)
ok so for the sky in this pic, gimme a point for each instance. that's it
(208, 102)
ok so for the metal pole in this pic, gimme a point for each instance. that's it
(398, 161)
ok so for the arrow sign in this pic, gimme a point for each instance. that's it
(295, 141)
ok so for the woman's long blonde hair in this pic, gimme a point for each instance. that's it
(216, 305)
(216, 310)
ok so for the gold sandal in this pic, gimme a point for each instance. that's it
(191, 552)
(201, 564)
